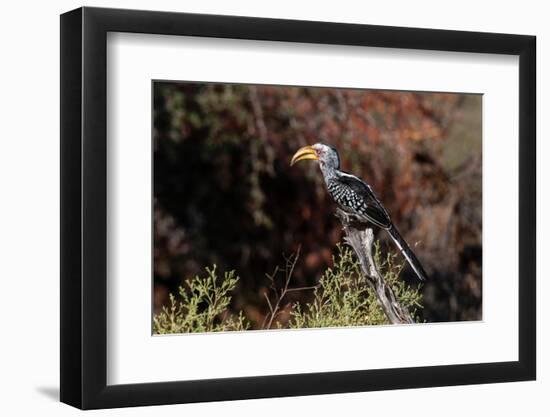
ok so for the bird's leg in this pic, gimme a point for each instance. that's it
(348, 219)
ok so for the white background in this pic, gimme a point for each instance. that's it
(29, 224)
(134, 356)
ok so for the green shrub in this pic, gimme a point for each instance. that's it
(344, 297)
(203, 307)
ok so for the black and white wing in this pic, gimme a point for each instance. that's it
(365, 203)
(361, 201)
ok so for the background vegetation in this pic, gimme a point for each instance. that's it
(224, 193)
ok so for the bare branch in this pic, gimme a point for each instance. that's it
(312, 287)
(361, 239)
(280, 293)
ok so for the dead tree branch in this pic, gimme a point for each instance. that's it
(280, 293)
(361, 239)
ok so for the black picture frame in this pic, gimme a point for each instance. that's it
(84, 207)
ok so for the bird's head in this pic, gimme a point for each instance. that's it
(326, 155)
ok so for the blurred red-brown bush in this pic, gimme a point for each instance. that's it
(224, 192)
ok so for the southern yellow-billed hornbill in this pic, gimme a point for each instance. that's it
(356, 197)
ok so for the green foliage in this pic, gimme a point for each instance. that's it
(344, 297)
(390, 268)
(203, 307)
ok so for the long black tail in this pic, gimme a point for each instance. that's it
(407, 253)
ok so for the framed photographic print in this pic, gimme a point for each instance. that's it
(258, 208)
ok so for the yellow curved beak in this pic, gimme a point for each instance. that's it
(307, 152)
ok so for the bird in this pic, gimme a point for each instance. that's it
(356, 198)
